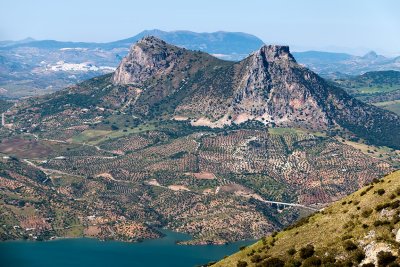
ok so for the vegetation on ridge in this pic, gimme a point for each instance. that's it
(361, 228)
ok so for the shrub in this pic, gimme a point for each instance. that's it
(312, 261)
(307, 251)
(366, 213)
(242, 247)
(255, 258)
(380, 191)
(368, 265)
(382, 206)
(395, 219)
(349, 224)
(358, 255)
(273, 262)
(379, 223)
(293, 263)
(264, 240)
(398, 191)
(385, 258)
(366, 190)
(251, 253)
(395, 204)
(241, 264)
(349, 245)
(291, 251)
(328, 259)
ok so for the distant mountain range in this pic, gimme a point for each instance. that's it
(229, 45)
(32, 67)
(338, 65)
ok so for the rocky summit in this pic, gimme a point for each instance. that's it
(269, 86)
(148, 57)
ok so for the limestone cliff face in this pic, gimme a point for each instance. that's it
(147, 58)
(273, 88)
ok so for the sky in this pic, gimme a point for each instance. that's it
(353, 26)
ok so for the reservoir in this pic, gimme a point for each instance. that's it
(92, 252)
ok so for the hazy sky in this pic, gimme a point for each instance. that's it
(337, 25)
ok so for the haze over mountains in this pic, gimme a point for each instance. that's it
(339, 65)
(30, 67)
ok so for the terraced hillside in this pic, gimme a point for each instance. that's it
(36, 207)
(221, 150)
(362, 228)
(218, 185)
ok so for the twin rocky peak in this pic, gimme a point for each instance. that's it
(268, 86)
(150, 56)
(261, 87)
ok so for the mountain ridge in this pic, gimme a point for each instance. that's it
(35, 67)
(268, 86)
(177, 37)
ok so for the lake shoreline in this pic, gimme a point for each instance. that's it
(160, 230)
(90, 251)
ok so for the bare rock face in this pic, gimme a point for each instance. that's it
(146, 58)
(273, 89)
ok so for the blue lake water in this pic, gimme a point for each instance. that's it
(91, 252)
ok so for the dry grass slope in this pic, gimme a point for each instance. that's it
(359, 229)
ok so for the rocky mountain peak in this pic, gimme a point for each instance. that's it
(275, 52)
(273, 88)
(151, 40)
(373, 56)
(148, 57)
(370, 55)
(259, 62)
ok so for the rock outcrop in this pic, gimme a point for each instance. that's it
(146, 58)
(273, 88)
